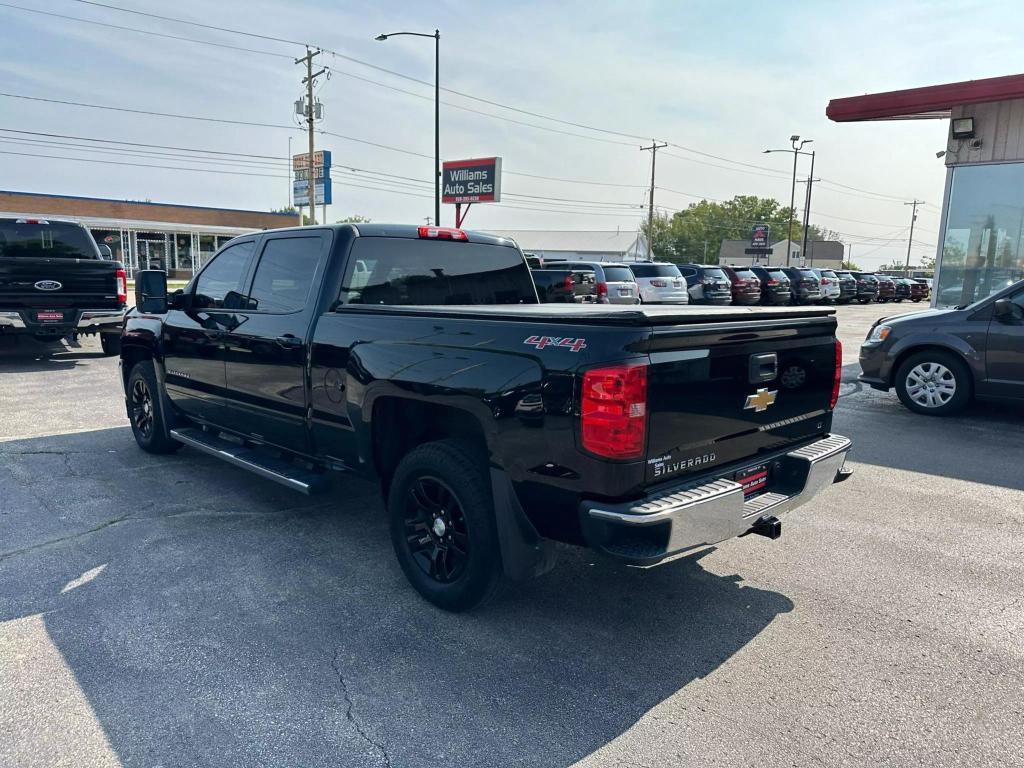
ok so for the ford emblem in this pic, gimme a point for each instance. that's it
(48, 285)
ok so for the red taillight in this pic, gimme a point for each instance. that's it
(773, 282)
(838, 374)
(602, 289)
(613, 412)
(824, 281)
(568, 283)
(659, 283)
(442, 233)
(122, 286)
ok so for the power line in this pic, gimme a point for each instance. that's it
(140, 144)
(144, 31)
(145, 165)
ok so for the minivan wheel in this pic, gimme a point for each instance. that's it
(935, 383)
(442, 525)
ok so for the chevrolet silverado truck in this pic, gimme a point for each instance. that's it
(56, 283)
(495, 425)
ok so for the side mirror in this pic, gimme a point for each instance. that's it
(105, 253)
(1006, 311)
(151, 291)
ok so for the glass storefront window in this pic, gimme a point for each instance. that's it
(982, 249)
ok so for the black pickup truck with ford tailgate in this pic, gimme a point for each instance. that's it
(494, 424)
(56, 283)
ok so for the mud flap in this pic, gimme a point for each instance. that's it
(524, 554)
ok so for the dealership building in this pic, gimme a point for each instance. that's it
(823, 254)
(981, 236)
(176, 238)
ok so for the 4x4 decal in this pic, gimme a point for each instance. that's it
(540, 342)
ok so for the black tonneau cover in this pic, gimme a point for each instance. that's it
(605, 314)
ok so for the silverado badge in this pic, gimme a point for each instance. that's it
(760, 400)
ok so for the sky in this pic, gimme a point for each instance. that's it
(728, 79)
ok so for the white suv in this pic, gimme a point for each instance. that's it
(660, 283)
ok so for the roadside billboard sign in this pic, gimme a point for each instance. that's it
(321, 175)
(471, 181)
(760, 236)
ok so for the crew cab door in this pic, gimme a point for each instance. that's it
(193, 341)
(266, 351)
(1004, 354)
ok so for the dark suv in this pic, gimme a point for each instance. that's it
(746, 286)
(706, 283)
(847, 286)
(886, 288)
(867, 287)
(804, 287)
(939, 359)
(774, 284)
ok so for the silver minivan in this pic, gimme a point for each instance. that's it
(615, 282)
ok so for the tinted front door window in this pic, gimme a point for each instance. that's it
(220, 284)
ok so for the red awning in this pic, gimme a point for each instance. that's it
(933, 101)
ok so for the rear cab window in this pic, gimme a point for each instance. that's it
(417, 272)
(42, 239)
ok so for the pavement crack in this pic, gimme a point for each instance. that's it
(63, 539)
(351, 717)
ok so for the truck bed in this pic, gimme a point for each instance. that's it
(603, 314)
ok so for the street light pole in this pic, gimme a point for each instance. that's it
(437, 112)
(807, 207)
(797, 146)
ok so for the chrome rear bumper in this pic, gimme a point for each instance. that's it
(656, 527)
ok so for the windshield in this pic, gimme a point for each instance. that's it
(42, 239)
(656, 270)
(403, 271)
(618, 275)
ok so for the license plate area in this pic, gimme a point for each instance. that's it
(49, 317)
(753, 479)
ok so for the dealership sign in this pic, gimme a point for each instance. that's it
(321, 175)
(471, 181)
(759, 236)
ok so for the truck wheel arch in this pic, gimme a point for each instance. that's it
(399, 424)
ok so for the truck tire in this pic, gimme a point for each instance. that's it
(443, 527)
(146, 415)
(933, 382)
(111, 344)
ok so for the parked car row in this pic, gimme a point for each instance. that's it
(650, 282)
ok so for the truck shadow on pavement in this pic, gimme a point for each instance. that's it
(27, 355)
(210, 618)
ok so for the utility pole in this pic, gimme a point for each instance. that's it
(807, 207)
(910, 239)
(308, 80)
(653, 149)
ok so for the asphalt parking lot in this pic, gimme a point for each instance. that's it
(174, 611)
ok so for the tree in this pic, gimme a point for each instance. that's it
(293, 211)
(354, 219)
(852, 265)
(696, 234)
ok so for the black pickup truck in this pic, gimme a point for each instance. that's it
(420, 356)
(55, 283)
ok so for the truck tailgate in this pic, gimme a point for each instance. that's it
(724, 392)
(88, 283)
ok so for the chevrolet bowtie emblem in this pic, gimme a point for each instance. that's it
(760, 400)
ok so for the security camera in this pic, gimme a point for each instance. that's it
(940, 154)
(974, 144)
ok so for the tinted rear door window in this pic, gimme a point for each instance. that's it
(285, 274)
(402, 271)
(55, 240)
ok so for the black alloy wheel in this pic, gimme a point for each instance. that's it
(142, 408)
(443, 526)
(435, 529)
